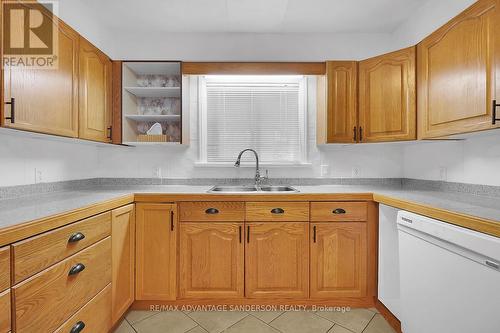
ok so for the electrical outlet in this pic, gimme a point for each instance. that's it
(157, 172)
(356, 172)
(324, 170)
(38, 176)
(443, 173)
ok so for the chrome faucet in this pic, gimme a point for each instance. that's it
(258, 178)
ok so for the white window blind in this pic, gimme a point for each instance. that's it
(265, 113)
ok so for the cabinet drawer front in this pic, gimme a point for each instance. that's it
(37, 253)
(338, 211)
(277, 211)
(48, 299)
(5, 312)
(95, 315)
(212, 211)
(4, 268)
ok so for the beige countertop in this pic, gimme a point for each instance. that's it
(458, 208)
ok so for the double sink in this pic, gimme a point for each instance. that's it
(252, 189)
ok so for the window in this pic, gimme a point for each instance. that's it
(265, 113)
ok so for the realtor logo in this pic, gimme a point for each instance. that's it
(30, 34)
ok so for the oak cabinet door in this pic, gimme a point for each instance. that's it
(339, 260)
(211, 260)
(277, 260)
(95, 99)
(338, 115)
(46, 100)
(122, 260)
(387, 97)
(457, 65)
(155, 252)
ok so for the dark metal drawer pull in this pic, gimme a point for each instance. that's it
(12, 117)
(277, 211)
(76, 237)
(494, 112)
(339, 211)
(239, 232)
(212, 211)
(172, 221)
(76, 269)
(79, 326)
(314, 234)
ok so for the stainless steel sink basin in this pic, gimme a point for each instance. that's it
(277, 189)
(233, 189)
(250, 189)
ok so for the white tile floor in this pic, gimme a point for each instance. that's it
(353, 321)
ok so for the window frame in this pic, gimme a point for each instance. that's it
(302, 80)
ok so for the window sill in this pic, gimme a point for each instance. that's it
(251, 165)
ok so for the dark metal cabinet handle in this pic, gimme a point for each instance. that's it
(212, 211)
(79, 326)
(494, 112)
(355, 134)
(339, 211)
(360, 134)
(110, 129)
(248, 234)
(171, 221)
(76, 269)
(277, 211)
(76, 237)
(314, 234)
(239, 233)
(12, 104)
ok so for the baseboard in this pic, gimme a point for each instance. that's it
(389, 317)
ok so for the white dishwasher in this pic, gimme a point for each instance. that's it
(450, 277)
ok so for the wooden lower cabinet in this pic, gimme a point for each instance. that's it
(277, 260)
(122, 259)
(5, 312)
(95, 316)
(211, 260)
(46, 300)
(155, 276)
(339, 259)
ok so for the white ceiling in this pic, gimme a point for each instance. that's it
(261, 16)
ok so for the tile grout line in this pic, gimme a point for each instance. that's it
(197, 323)
(133, 328)
(268, 324)
(154, 314)
(368, 324)
(234, 323)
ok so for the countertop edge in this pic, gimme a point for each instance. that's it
(475, 223)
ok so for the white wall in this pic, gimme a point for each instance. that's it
(429, 17)
(377, 161)
(57, 159)
(475, 160)
(248, 46)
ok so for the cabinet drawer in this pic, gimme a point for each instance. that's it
(95, 315)
(34, 254)
(4, 268)
(45, 301)
(277, 211)
(212, 211)
(5, 312)
(338, 211)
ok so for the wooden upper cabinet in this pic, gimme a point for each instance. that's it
(155, 252)
(339, 260)
(46, 100)
(387, 106)
(95, 99)
(457, 65)
(211, 259)
(122, 260)
(337, 103)
(277, 260)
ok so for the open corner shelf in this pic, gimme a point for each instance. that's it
(153, 118)
(154, 91)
